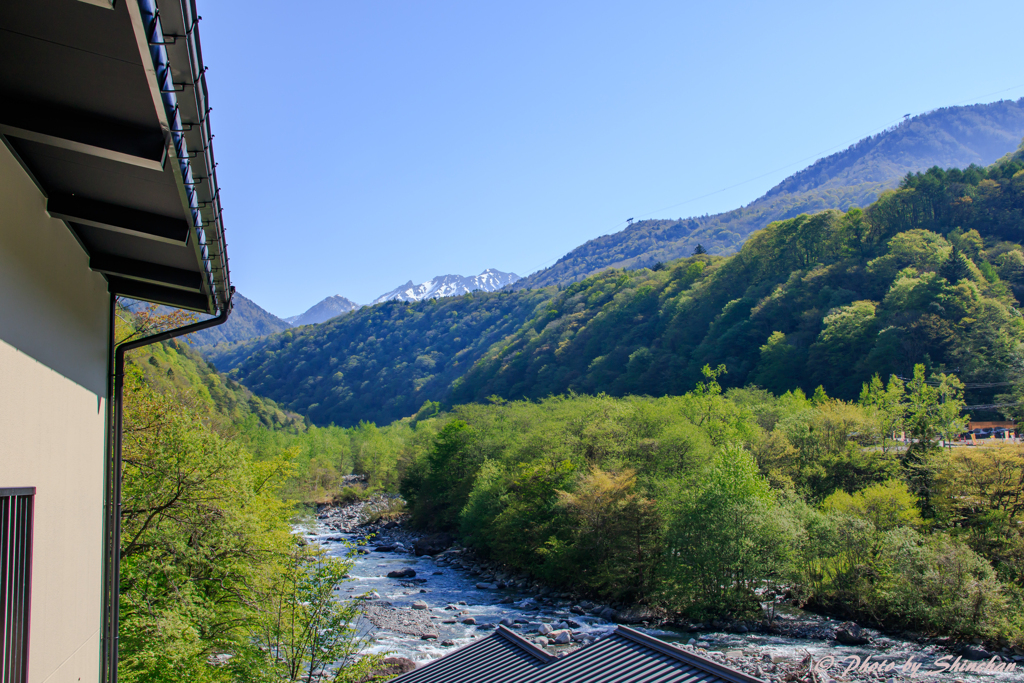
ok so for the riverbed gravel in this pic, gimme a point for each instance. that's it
(451, 597)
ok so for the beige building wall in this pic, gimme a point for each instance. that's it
(53, 409)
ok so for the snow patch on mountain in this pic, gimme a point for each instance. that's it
(449, 285)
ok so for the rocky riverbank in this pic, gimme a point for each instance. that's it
(415, 582)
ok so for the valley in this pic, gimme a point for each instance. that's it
(744, 450)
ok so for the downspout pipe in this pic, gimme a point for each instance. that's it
(112, 530)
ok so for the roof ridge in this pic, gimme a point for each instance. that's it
(725, 672)
(524, 644)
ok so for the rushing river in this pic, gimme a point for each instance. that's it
(445, 586)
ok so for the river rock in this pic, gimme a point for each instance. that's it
(542, 641)
(384, 548)
(545, 629)
(562, 637)
(850, 633)
(433, 544)
(469, 621)
(447, 643)
(608, 614)
(419, 604)
(576, 609)
(404, 573)
(392, 666)
(974, 652)
(506, 622)
(486, 586)
(428, 636)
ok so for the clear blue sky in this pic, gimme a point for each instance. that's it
(363, 144)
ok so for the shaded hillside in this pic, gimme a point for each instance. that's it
(379, 363)
(172, 367)
(828, 299)
(953, 137)
(247, 320)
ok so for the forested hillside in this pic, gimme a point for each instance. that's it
(953, 137)
(174, 368)
(209, 564)
(247, 321)
(379, 363)
(927, 274)
(722, 504)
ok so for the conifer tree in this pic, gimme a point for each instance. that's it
(955, 267)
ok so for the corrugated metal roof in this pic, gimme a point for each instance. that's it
(626, 656)
(501, 656)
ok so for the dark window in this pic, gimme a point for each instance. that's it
(15, 581)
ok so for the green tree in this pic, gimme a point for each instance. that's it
(303, 629)
(887, 403)
(727, 537)
(955, 267)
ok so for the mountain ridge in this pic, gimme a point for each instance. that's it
(827, 299)
(490, 280)
(331, 307)
(950, 137)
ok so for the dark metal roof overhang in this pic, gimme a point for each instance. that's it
(104, 104)
(624, 656)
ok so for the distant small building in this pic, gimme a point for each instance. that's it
(1010, 426)
(625, 656)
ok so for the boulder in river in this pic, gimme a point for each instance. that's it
(974, 652)
(545, 629)
(486, 586)
(469, 621)
(392, 666)
(419, 604)
(433, 544)
(562, 637)
(404, 573)
(850, 633)
(608, 614)
(384, 548)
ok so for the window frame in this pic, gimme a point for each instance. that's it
(17, 527)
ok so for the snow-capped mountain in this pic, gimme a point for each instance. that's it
(449, 285)
(331, 307)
